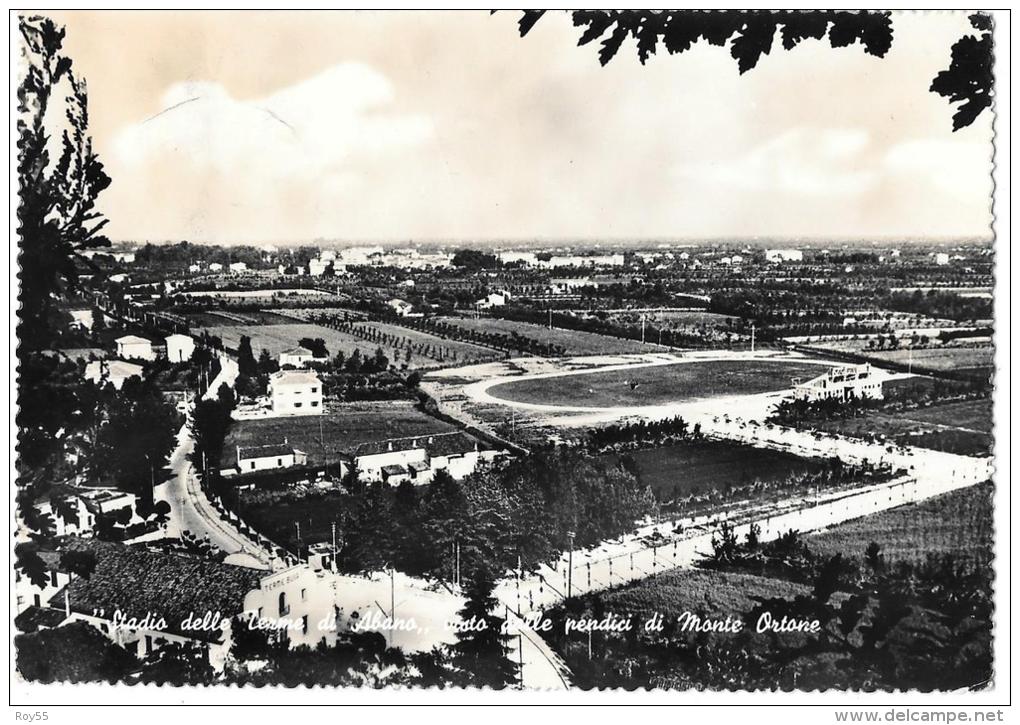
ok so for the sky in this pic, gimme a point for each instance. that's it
(277, 127)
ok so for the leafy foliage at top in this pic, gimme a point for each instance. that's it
(969, 80)
(752, 34)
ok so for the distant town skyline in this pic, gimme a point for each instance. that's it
(285, 128)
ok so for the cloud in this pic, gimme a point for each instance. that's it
(949, 165)
(298, 148)
(803, 161)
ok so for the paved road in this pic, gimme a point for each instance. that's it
(191, 511)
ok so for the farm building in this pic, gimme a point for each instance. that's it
(296, 357)
(113, 371)
(215, 267)
(784, 255)
(842, 382)
(267, 457)
(133, 346)
(179, 348)
(238, 267)
(294, 392)
(418, 459)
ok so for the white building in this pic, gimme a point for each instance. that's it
(268, 457)
(179, 348)
(417, 459)
(842, 383)
(402, 308)
(784, 255)
(317, 267)
(495, 299)
(296, 357)
(238, 267)
(113, 371)
(595, 260)
(941, 258)
(529, 259)
(132, 346)
(193, 268)
(295, 392)
(300, 601)
(81, 319)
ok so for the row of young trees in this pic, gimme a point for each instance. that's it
(511, 343)
(882, 626)
(403, 347)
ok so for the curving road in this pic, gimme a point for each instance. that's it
(190, 510)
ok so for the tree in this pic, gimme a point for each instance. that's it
(57, 200)
(969, 80)
(30, 564)
(751, 34)
(77, 652)
(481, 654)
(137, 438)
(178, 664)
(246, 364)
(162, 511)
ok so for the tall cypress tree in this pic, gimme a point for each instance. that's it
(481, 654)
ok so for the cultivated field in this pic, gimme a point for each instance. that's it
(958, 427)
(274, 513)
(340, 429)
(453, 350)
(212, 318)
(962, 356)
(574, 342)
(958, 359)
(277, 338)
(696, 467)
(658, 384)
(958, 523)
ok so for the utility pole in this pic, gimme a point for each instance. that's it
(550, 318)
(333, 527)
(642, 328)
(570, 564)
(393, 602)
(752, 337)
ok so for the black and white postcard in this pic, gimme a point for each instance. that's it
(462, 354)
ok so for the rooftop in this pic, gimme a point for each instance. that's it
(266, 451)
(294, 377)
(439, 444)
(133, 340)
(137, 581)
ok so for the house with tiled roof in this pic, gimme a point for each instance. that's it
(269, 456)
(142, 599)
(418, 458)
(297, 357)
